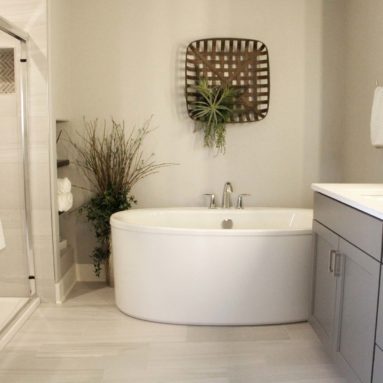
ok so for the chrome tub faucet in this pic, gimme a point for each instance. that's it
(212, 204)
(240, 200)
(226, 197)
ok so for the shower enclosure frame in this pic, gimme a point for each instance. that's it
(23, 38)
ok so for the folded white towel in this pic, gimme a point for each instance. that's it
(377, 118)
(64, 201)
(63, 185)
(2, 239)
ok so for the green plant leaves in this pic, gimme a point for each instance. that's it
(212, 109)
(98, 211)
(113, 161)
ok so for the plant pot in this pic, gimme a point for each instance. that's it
(109, 277)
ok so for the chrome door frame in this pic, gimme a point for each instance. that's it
(23, 37)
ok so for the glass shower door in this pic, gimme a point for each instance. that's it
(15, 258)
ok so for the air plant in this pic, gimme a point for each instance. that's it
(212, 109)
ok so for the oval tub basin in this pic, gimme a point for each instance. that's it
(180, 266)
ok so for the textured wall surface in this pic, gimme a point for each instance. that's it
(364, 28)
(127, 61)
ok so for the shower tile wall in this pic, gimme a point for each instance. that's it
(31, 16)
(7, 70)
(13, 261)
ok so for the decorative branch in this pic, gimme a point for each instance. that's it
(113, 162)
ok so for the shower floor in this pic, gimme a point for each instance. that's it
(9, 308)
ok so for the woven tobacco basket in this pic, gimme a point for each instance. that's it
(242, 64)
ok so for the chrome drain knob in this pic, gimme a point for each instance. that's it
(227, 224)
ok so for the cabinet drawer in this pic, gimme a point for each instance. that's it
(378, 366)
(379, 332)
(357, 306)
(353, 225)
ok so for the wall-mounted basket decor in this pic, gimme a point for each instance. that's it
(241, 64)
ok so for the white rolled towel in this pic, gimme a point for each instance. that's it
(63, 185)
(377, 118)
(64, 201)
(2, 239)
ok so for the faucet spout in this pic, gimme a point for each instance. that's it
(226, 197)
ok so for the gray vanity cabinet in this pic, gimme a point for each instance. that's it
(379, 330)
(357, 301)
(345, 288)
(324, 298)
(378, 365)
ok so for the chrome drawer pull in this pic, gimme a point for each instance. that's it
(330, 266)
(338, 264)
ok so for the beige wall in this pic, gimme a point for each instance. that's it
(126, 61)
(364, 57)
(31, 16)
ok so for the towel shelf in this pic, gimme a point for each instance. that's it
(61, 163)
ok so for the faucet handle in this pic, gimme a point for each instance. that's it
(240, 200)
(212, 204)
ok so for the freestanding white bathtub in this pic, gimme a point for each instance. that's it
(179, 266)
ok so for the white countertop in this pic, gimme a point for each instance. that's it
(365, 197)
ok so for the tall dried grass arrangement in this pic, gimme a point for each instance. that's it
(113, 159)
(113, 162)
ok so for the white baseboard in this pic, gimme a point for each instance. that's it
(85, 273)
(78, 272)
(66, 284)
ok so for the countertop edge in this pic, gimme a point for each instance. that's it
(348, 200)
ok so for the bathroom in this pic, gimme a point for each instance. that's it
(125, 59)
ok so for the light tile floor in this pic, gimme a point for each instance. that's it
(9, 306)
(88, 340)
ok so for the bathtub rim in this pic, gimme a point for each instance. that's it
(119, 224)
